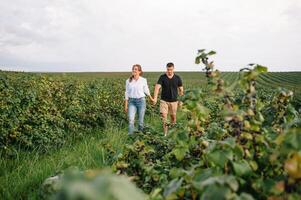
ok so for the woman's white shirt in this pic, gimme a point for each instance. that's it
(136, 88)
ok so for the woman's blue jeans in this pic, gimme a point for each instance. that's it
(136, 105)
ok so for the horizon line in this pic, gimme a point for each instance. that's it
(121, 71)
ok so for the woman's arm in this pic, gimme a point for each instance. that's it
(146, 91)
(126, 100)
(126, 103)
(151, 98)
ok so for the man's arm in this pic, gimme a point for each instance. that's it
(181, 91)
(156, 92)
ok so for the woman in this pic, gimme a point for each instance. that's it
(135, 92)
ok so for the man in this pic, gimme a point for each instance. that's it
(171, 85)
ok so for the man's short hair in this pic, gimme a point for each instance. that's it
(170, 64)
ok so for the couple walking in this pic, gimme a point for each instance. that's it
(137, 89)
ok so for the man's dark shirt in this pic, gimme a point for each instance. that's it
(169, 87)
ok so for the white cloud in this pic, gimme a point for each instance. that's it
(66, 35)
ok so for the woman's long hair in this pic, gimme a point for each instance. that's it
(139, 69)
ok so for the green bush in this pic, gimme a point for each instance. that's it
(40, 112)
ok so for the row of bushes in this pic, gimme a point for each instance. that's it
(39, 111)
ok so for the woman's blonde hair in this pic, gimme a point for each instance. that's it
(139, 69)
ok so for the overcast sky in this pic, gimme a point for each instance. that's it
(112, 35)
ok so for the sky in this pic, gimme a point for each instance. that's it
(112, 35)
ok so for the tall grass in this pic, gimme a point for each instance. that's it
(22, 177)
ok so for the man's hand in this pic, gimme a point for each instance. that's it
(181, 91)
(155, 101)
(180, 104)
(126, 109)
(156, 92)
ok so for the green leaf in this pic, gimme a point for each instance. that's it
(226, 180)
(176, 172)
(228, 154)
(217, 157)
(172, 187)
(216, 192)
(241, 168)
(238, 151)
(123, 189)
(211, 53)
(293, 138)
(253, 165)
(229, 142)
(198, 60)
(182, 136)
(92, 184)
(203, 174)
(244, 196)
(246, 135)
(220, 157)
(260, 69)
(201, 51)
(180, 152)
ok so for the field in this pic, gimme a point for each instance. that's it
(218, 150)
(270, 80)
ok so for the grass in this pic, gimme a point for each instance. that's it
(22, 177)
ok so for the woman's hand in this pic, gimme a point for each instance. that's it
(126, 106)
(151, 98)
(155, 101)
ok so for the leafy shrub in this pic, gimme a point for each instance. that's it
(40, 112)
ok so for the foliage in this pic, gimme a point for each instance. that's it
(231, 147)
(39, 112)
(240, 139)
(89, 184)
